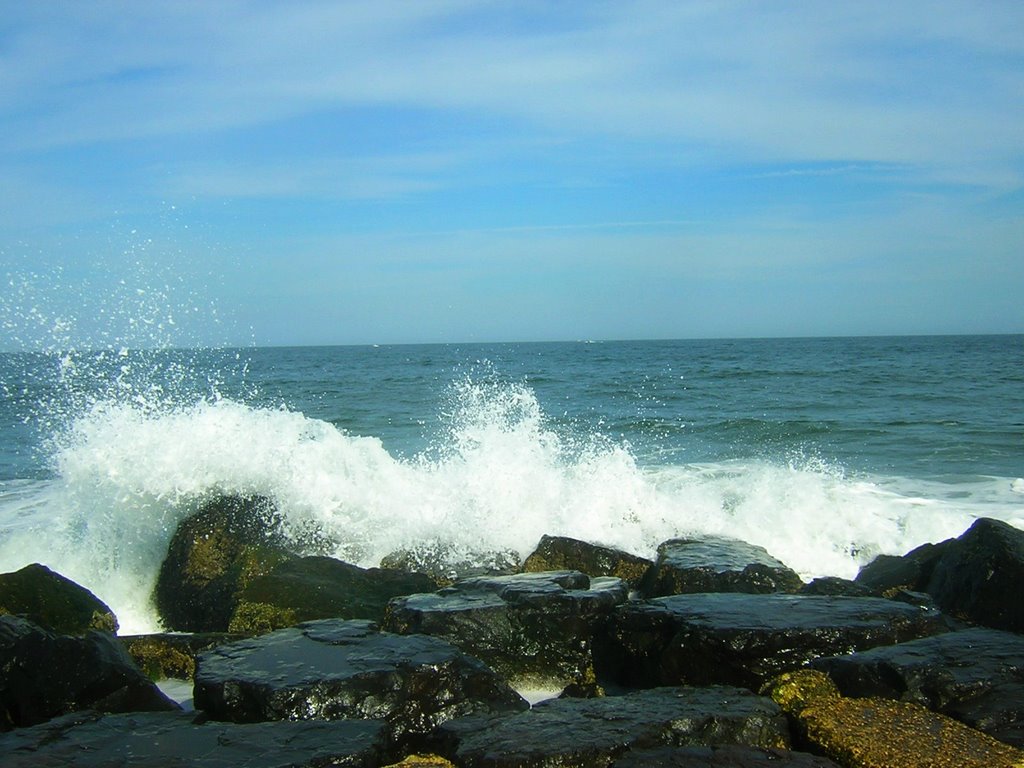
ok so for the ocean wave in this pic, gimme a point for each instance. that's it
(499, 477)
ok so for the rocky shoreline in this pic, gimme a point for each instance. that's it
(715, 654)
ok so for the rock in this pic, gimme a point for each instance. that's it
(740, 639)
(980, 576)
(719, 757)
(332, 669)
(171, 655)
(53, 602)
(975, 676)
(535, 629)
(46, 674)
(212, 556)
(312, 588)
(881, 733)
(446, 566)
(422, 761)
(716, 564)
(145, 740)
(887, 574)
(559, 553)
(834, 586)
(593, 732)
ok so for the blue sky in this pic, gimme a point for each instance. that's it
(377, 172)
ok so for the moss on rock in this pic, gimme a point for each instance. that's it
(880, 733)
(53, 602)
(259, 618)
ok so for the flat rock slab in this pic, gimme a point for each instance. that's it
(536, 629)
(975, 676)
(593, 732)
(333, 669)
(43, 675)
(741, 639)
(719, 757)
(90, 740)
(716, 564)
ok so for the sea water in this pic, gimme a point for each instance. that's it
(826, 451)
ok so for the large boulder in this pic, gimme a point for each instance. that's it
(878, 733)
(145, 740)
(536, 629)
(716, 564)
(45, 674)
(888, 574)
(742, 639)
(593, 732)
(310, 588)
(561, 553)
(213, 555)
(975, 676)
(332, 669)
(53, 602)
(980, 576)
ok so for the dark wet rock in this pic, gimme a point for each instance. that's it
(878, 733)
(146, 740)
(560, 553)
(739, 639)
(593, 732)
(980, 576)
(835, 586)
(53, 602)
(975, 676)
(45, 674)
(535, 629)
(311, 588)
(888, 574)
(213, 556)
(446, 566)
(331, 669)
(171, 655)
(719, 757)
(716, 564)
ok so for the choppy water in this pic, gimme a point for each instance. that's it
(825, 451)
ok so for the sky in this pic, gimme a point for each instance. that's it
(307, 172)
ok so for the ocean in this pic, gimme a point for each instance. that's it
(826, 451)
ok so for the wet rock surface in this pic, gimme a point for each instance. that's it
(53, 601)
(878, 733)
(446, 566)
(716, 564)
(595, 731)
(739, 639)
(975, 676)
(45, 675)
(316, 587)
(89, 739)
(534, 629)
(330, 669)
(560, 553)
(212, 556)
(171, 655)
(978, 573)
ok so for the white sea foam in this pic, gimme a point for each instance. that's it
(500, 479)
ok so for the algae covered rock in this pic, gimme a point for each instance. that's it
(724, 756)
(975, 676)
(743, 639)
(594, 732)
(212, 557)
(332, 669)
(53, 602)
(716, 564)
(46, 674)
(316, 587)
(146, 740)
(171, 655)
(560, 553)
(881, 733)
(536, 629)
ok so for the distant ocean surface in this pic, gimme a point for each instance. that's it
(826, 451)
